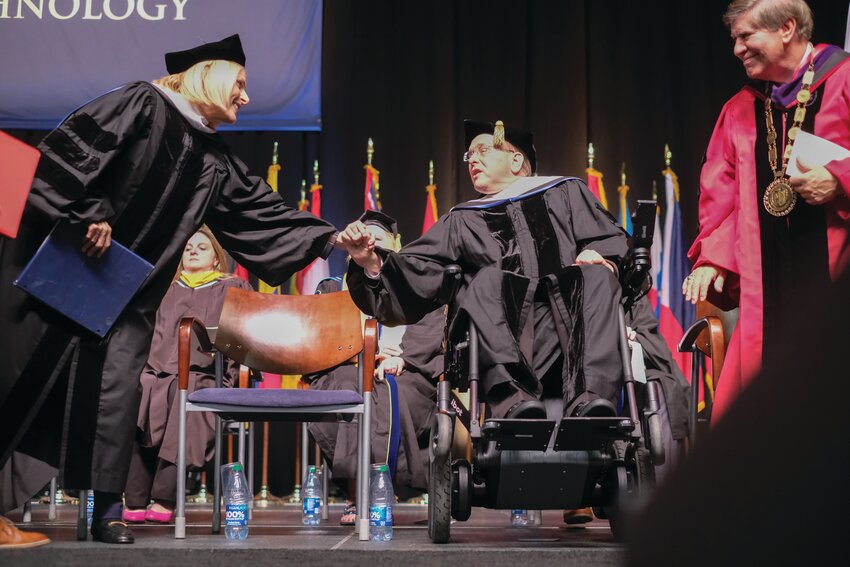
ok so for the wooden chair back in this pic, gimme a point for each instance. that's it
(289, 334)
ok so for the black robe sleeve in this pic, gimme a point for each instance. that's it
(81, 149)
(422, 345)
(409, 283)
(254, 225)
(592, 226)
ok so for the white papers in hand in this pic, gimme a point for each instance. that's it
(815, 150)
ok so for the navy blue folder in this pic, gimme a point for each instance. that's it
(89, 290)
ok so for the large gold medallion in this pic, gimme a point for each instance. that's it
(779, 198)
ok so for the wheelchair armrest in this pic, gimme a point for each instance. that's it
(452, 277)
(189, 325)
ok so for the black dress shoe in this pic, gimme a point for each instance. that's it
(529, 409)
(599, 407)
(111, 531)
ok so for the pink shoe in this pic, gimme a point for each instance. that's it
(134, 516)
(158, 517)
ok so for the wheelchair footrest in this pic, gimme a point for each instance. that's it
(519, 434)
(591, 433)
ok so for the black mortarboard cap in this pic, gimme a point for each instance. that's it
(522, 139)
(383, 220)
(228, 49)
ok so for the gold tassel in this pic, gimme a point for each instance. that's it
(499, 134)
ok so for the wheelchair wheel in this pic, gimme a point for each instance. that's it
(656, 444)
(616, 489)
(440, 490)
(633, 478)
(461, 490)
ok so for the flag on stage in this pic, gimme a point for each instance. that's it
(303, 205)
(656, 257)
(594, 183)
(309, 277)
(625, 213)
(271, 179)
(676, 313)
(371, 191)
(431, 214)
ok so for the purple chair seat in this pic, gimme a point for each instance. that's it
(275, 398)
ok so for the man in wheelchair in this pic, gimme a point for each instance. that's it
(539, 258)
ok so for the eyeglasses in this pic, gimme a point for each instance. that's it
(481, 151)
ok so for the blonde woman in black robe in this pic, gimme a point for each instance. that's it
(142, 165)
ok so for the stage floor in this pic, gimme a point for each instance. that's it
(278, 538)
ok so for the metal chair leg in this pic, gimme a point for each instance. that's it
(216, 519)
(325, 504)
(51, 507)
(180, 511)
(82, 524)
(365, 452)
(251, 469)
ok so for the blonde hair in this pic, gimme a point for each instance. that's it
(206, 85)
(771, 14)
(220, 254)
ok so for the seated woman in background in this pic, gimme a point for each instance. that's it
(198, 290)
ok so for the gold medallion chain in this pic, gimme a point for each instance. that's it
(779, 197)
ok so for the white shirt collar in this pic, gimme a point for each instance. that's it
(186, 109)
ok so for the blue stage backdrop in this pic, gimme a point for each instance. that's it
(58, 54)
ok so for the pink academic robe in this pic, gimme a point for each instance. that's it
(729, 223)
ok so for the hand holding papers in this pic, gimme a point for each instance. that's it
(815, 184)
(813, 149)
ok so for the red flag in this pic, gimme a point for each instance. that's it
(431, 214)
(594, 183)
(308, 278)
(371, 192)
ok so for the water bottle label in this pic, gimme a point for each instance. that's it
(90, 502)
(236, 515)
(519, 512)
(380, 515)
(312, 505)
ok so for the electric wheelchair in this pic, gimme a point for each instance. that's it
(554, 463)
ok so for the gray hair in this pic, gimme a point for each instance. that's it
(771, 14)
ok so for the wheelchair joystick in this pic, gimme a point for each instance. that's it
(635, 267)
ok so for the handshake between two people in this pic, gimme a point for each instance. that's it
(359, 241)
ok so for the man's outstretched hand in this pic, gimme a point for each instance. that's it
(360, 245)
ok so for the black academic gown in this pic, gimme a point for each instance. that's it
(516, 255)
(128, 157)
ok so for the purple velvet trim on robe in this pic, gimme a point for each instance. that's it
(786, 94)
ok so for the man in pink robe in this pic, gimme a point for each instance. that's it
(744, 256)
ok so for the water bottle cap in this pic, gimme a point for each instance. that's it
(237, 466)
(382, 467)
(311, 468)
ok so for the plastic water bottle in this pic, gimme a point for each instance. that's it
(381, 499)
(89, 505)
(519, 517)
(236, 499)
(311, 498)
